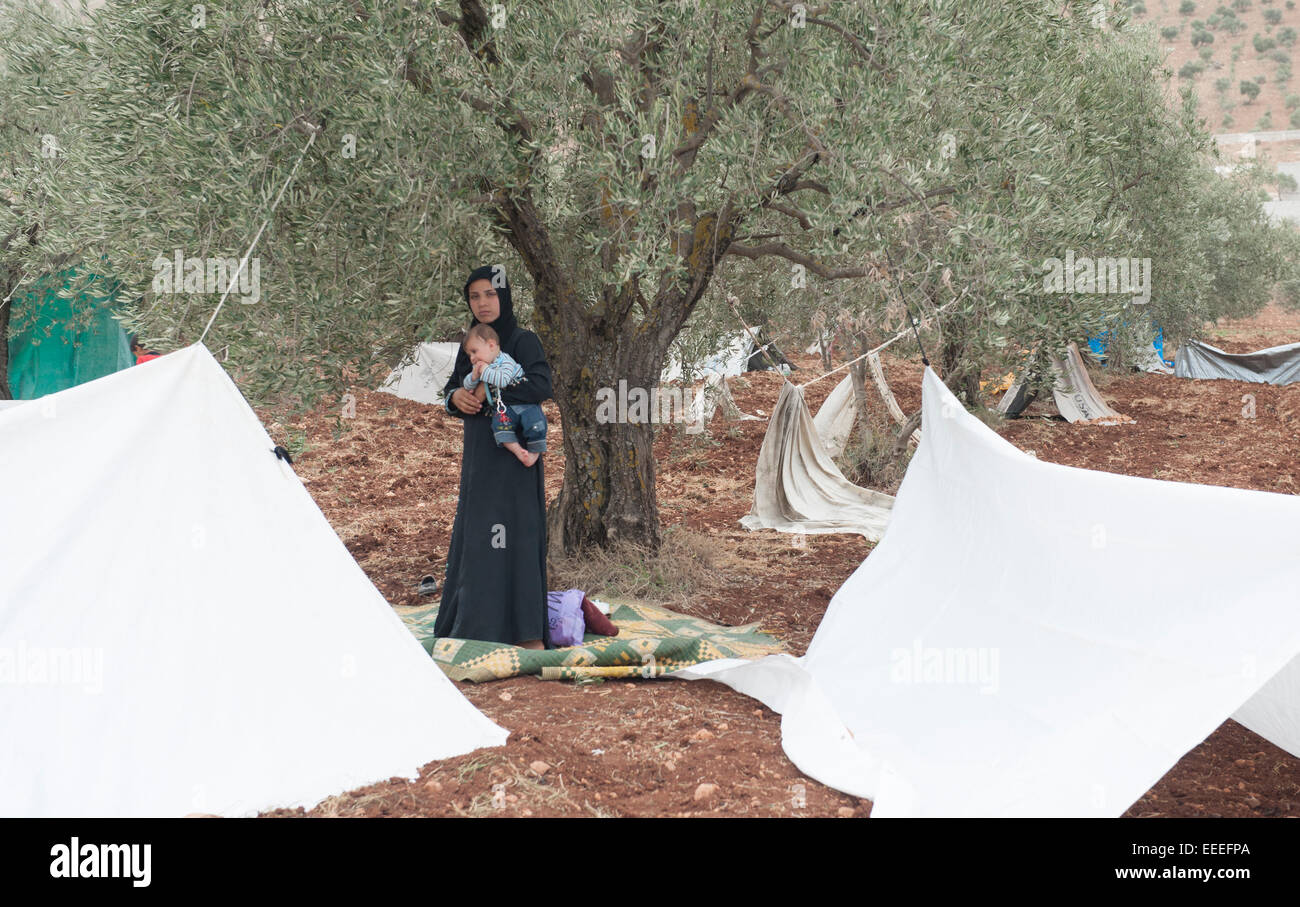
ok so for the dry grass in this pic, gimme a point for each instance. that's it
(683, 568)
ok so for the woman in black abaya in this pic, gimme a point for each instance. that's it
(495, 588)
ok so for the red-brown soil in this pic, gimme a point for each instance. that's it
(1245, 115)
(387, 480)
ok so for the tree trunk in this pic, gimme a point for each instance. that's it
(858, 372)
(609, 469)
(957, 372)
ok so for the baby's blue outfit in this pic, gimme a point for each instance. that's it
(524, 421)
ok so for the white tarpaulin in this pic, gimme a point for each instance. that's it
(731, 359)
(180, 628)
(835, 418)
(1075, 395)
(423, 374)
(1275, 365)
(839, 411)
(946, 680)
(797, 486)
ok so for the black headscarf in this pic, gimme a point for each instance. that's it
(505, 325)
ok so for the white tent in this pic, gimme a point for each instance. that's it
(423, 373)
(731, 359)
(946, 680)
(180, 628)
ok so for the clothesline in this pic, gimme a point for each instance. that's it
(904, 332)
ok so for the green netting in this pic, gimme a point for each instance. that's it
(59, 341)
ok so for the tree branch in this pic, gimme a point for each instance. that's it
(854, 41)
(784, 251)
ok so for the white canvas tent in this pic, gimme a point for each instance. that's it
(945, 682)
(423, 373)
(180, 628)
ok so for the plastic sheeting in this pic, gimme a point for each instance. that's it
(60, 342)
(798, 488)
(946, 681)
(180, 628)
(1076, 397)
(423, 374)
(730, 360)
(838, 413)
(1275, 365)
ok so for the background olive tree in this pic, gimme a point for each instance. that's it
(628, 164)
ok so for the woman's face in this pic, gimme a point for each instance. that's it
(483, 301)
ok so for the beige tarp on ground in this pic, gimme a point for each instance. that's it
(798, 488)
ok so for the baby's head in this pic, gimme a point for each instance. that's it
(482, 344)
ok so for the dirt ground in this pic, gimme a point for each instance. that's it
(387, 480)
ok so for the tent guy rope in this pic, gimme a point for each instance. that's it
(900, 335)
(243, 262)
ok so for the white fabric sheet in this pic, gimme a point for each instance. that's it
(836, 416)
(798, 487)
(180, 628)
(731, 359)
(948, 679)
(423, 374)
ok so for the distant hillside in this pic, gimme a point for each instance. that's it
(1219, 45)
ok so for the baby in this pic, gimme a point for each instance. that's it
(494, 370)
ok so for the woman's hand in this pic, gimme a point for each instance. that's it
(464, 401)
